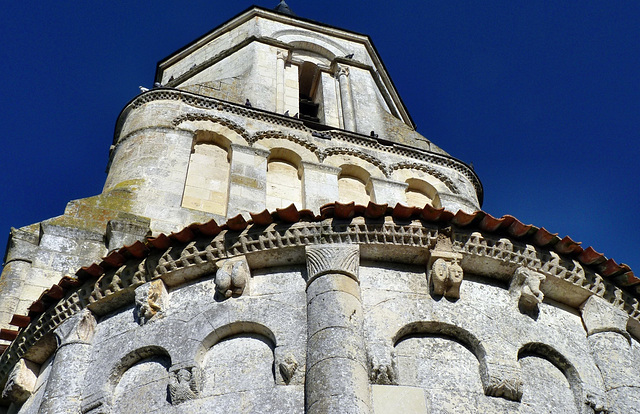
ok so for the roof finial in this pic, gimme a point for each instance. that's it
(283, 8)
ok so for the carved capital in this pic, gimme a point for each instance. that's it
(382, 365)
(525, 286)
(342, 71)
(333, 258)
(502, 381)
(282, 54)
(232, 276)
(596, 400)
(80, 328)
(21, 382)
(151, 299)
(287, 368)
(186, 384)
(445, 273)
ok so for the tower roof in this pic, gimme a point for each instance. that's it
(166, 68)
(284, 8)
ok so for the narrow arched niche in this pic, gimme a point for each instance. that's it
(419, 193)
(142, 385)
(439, 363)
(549, 380)
(242, 363)
(284, 186)
(207, 182)
(353, 185)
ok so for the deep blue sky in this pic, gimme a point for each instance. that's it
(543, 97)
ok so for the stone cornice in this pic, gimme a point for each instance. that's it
(178, 263)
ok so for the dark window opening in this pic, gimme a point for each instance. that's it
(308, 81)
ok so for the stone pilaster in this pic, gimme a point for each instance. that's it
(346, 97)
(281, 57)
(319, 185)
(247, 180)
(454, 202)
(388, 191)
(610, 345)
(337, 376)
(63, 393)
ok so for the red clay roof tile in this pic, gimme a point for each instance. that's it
(263, 218)
(288, 214)
(20, 321)
(8, 334)
(237, 223)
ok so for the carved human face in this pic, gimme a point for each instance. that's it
(455, 272)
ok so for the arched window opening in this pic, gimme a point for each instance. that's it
(541, 375)
(143, 387)
(284, 186)
(241, 365)
(207, 183)
(419, 193)
(352, 185)
(308, 81)
(443, 366)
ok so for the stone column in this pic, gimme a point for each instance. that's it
(280, 85)
(337, 376)
(319, 185)
(346, 97)
(21, 248)
(63, 393)
(610, 345)
(247, 180)
(388, 191)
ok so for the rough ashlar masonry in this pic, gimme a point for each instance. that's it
(226, 268)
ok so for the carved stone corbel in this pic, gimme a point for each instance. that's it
(21, 382)
(445, 273)
(185, 384)
(151, 300)
(232, 276)
(525, 286)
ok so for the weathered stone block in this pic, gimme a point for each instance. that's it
(21, 382)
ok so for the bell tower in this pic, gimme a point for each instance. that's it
(271, 109)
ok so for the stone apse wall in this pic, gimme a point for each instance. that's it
(360, 315)
(298, 303)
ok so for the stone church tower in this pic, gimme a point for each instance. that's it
(275, 237)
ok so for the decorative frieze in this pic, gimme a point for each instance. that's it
(192, 261)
